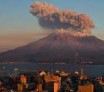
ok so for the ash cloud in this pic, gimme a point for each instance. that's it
(53, 18)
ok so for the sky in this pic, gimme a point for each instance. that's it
(18, 27)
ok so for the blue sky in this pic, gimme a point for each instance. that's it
(15, 17)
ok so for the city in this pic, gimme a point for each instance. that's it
(51, 81)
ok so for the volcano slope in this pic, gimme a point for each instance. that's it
(57, 48)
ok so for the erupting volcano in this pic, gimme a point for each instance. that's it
(71, 43)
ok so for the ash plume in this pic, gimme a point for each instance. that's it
(53, 18)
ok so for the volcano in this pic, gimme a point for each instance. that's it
(57, 48)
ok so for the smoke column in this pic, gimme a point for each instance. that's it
(53, 18)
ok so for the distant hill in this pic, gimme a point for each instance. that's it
(58, 47)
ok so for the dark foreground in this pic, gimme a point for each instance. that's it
(51, 81)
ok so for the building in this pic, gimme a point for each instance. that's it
(23, 79)
(52, 83)
(86, 88)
